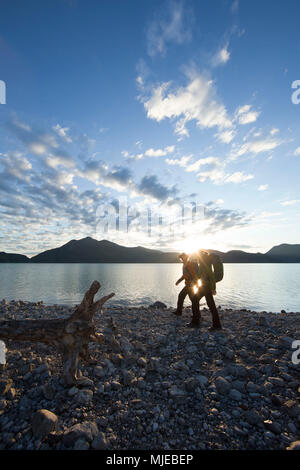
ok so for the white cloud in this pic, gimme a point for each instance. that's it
(182, 162)
(151, 152)
(62, 132)
(297, 151)
(274, 131)
(171, 25)
(196, 101)
(290, 203)
(221, 57)
(218, 176)
(55, 160)
(263, 187)
(245, 115)
(238, 177)
(203, 161)
(160, 152)
(256, 147)
(226, 136)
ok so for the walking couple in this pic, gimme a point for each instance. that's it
(200, 273)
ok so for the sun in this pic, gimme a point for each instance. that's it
(190, 246)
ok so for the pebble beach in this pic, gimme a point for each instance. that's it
(156, 383)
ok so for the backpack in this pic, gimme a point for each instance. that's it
(218, 267)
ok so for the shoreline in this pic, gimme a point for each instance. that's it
(159, 385)
(130, 306)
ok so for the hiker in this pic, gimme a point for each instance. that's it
(190, 276)
(210, 272)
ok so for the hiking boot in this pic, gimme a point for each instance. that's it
(192, 325)
(215, 328)
(178, 314)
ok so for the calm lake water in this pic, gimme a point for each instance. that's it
(270, 287)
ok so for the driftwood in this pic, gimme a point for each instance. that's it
(71, 335)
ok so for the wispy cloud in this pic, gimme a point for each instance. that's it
(172, 24)
(196, 101)
(263, 187)
(292, 202)
(255, 147)
(246, 115)
(222, 56)
(297, 151)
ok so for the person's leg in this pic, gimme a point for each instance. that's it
(213, 309)
(195, 299)
(181, 296)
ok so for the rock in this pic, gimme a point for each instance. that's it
(202, 380)
(127, 376)
(84, 382)
(115, 385)
(294, 446)
(81, 444)
(252, 417)
(222, 385)
(235, 395)
(286, 342)
(11, 393)
(262, 321)
(73, 391)
(100, 442)
(142, 361)
(158, 304)
(5, 386)
(292, 408)
(43, 423)
(175, 392)
(87, 431)
(292, 428)
(272, 426)
(99, 371)
(276, 381)
(191, 384)
(84, 396)
(238, 385)
(48, 392)
(3, 404)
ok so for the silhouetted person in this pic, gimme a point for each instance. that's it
(190, 276)
(207, 288)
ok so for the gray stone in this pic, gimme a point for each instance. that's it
(252, 417)
(235, 395)
(294, 446)
(81, 444)
(87, 430)
(5, 386)
(222, 385)
(158, 304)
(43, 423)
(272, 426)
(100, 442)
(84, 396)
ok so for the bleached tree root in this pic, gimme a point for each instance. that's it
(71, 336)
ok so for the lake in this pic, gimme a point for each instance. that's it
(270, 287)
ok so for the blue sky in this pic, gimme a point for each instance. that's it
(157, 106)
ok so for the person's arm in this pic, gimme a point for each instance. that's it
(179, 280)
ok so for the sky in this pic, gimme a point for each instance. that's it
(171, 124)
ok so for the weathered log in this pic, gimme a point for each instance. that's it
(71, 335)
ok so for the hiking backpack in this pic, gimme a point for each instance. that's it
(218, 267)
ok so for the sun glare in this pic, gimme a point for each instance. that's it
(190, 246)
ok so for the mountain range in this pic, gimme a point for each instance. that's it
(88, 250)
